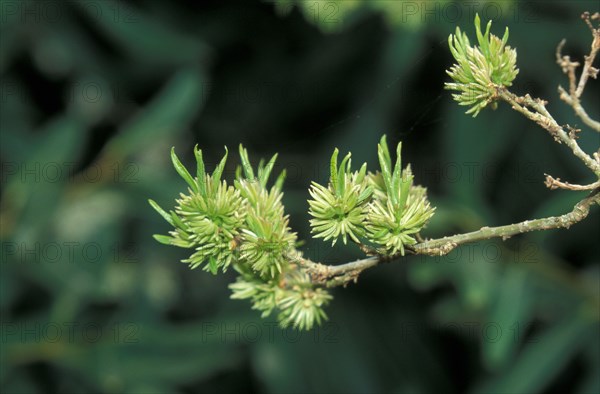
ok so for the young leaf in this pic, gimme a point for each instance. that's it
(341, 179)
(162, 212)
(405, 184)
(279, 182)
(266, 171)
(182, 171)
(482, 39)
(333, 168)
(505, 37)
(177, 220)
(163, 239)
(397, 177)
(386, 152)
(384, 163)
(361, 173)
(213, 266)
(246, 163)
(200, 171)
(364, 195)
(219, 171)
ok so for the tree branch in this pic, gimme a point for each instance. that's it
(572, 97)
(533, 109)
(588, 70)
(331, 276)
(556, 183)
(542, 117)
(579, 110)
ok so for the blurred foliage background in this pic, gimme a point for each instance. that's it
(95, 92)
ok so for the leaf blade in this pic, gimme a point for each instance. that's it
(182, 171)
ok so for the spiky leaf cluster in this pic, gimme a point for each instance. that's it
(481, 69)
(208, 218)
(340, 209)
(400, 209)
(244, 226)
(300, 304)
(383, 209)
(267, 246)
(266, 237)
(263, 295)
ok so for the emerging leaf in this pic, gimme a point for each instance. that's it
(480, 70)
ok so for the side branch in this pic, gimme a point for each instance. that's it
(535, 110)
(579, 110)
(573, 95)
(445, 245)
(588, 69)
(331, 276)
(556, 183)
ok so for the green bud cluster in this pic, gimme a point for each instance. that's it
(480, 70)
(208, 218)
(340, 208)
(383, 209)
(300, 304)
(244, 225)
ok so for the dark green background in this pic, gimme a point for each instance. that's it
(95, 93)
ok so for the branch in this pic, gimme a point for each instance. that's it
(568, 67)
(579, 110)
(533, 109)
(331, 276)
(542, 117)
(556, 183)
(588, 70)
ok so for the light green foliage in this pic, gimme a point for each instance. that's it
(482, 69)
(299, 302)
(341, 208)
(90, 302)
(208, 218)
(245, 225)
(266, 237)
(400, 209)
(302, 305)
(385, 208)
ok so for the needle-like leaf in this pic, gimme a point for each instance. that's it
(182, 171)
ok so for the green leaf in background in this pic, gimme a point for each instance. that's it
(543, 359)
(41, 173)
(141, 35)
(167, 114)
(511, 312)
(591, 384)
